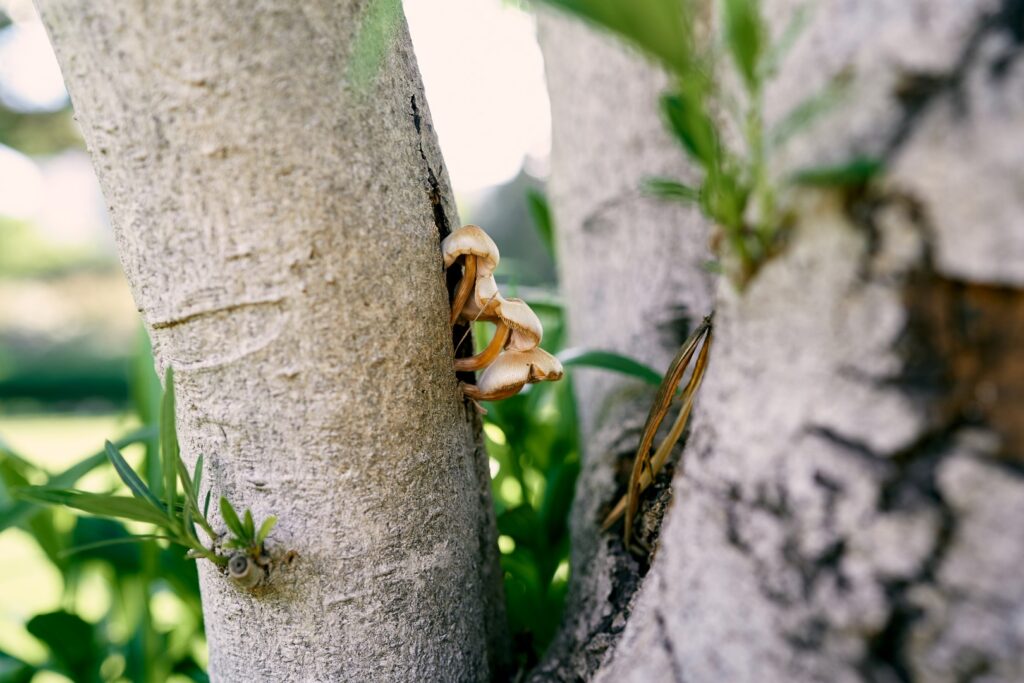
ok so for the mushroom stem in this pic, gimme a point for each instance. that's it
(485, 357)
(465, 287)
(474, 392)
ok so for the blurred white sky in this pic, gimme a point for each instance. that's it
(481, 67)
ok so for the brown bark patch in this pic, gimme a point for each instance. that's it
(970, 347)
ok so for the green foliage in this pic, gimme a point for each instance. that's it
(175, 517)
(607, 360)
(171, 517)
(659, 27)
(72, 642)
(127, 642)
(738, 191)
(851, 174)
(540, 212)
(671, 189)
(745, 36)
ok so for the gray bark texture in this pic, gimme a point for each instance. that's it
(280, 231)
(631, 275)
(853, 490)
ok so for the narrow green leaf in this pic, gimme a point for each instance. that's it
(128, 476)
(248, 525)
(101, 505)
(744, 34)
(809, 111)
(197, 475)
(134, 538)
(15, 514)
(231, 518)
(206, 505)
(540, 211)
(692, 126)
(853, 173)
(608, 360)
(671, 189)
(169, 453)
(658, 27)
(777, 53)
(265, 529)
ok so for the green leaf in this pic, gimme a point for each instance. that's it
(671, 189)
(191, 506)
(197, 475)
(128, 476)
(777, 52)
(13, 670)
(693, 127)
(660, 28)
(145, 385)
(265, 529)
(99, 504)
(810, 110)
(249, 525)
(608, 360)
(558, 495)
(540, 212)
(206, 505)
(851, 174)
(744, 34)
(17, 513)
(231, 518)
(169, 453)
(522, 524)
(72, 641)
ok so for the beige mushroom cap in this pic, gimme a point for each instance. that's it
(471, 239)
(512, 369)
(524, 323)
(526, 327)
(486, 291)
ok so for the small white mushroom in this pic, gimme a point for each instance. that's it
(480, 257)
(517, 328)
(512, 370)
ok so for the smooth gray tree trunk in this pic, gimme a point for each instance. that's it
(853, 491)
(280, 230)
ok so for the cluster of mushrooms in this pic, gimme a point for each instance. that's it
(513, 358)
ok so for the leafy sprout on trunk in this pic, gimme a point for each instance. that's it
(177, 512)
(739, 190)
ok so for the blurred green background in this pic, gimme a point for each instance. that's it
(75, 369)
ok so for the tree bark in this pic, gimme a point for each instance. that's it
(853, 487)
(280, 230)
(631, 275)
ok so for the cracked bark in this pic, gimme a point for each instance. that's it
(281, 236)
(853, 483)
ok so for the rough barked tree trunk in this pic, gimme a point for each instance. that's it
(280, 231)
(631, 276)
(853, 491)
